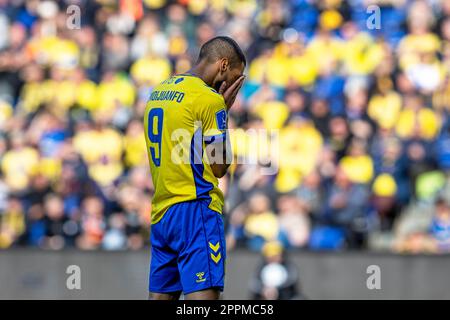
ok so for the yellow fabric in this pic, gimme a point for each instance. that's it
(109, 93)
(411, 45)
(299, 149)
(385, 109)
(197, 7)
(177, 109)
(6, 112)
(87, 95)
(362, 54)
(102, 150)
(250, 144)
(426, 121)
(50, 168)
(18, 166)
(272, 248)
(384, 186)
(135, 150)
(273, 114)
(236, 6)
(264, 224)
(150, 70)
(12, 225)
(324, 50)
(154, 4)
(303, 69)
(330, 19)
(177, 45)
(63, 95)
(51, 50)
(31, 96)
(359, 169)
(239, 142)
(275, 70)
(287, 179)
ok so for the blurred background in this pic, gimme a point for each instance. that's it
(359, 103)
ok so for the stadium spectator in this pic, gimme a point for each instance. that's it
(276, 278)
(340, 133)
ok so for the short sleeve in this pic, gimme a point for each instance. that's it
(212, 115)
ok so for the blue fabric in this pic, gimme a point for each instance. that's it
(331, 88)
(221, 118)
(202, 186)
(188, 249)
(326, 238)
(215, 139)
(37, 232)
(51, 141)
(26, 18)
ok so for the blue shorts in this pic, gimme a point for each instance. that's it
(188, 249)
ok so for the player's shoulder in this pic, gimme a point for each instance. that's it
(209, 96)
(196, 86)
(193, 87)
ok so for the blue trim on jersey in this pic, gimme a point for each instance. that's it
(202, 186)
(216, 138)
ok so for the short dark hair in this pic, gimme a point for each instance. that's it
(222, 47)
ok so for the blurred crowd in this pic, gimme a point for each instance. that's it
(352, 104)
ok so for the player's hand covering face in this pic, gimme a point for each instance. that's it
(229, 93)
(233, 79)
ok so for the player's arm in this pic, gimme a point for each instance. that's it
(229, 94)
(212, 114)
(220, 169)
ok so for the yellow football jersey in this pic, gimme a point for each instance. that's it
(182, 116)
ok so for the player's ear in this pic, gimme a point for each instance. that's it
(224, 64)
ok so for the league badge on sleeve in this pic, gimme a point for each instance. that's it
(221, 118)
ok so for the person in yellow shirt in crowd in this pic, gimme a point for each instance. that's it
(385, 105)
(150, 70)
(362, 53)
(12, 223)
(357, 164)
(299, 147)
(325, 46)
(19, 163)
(135, 151)
(272, 65)
(415, 120)
(384, 196)
(32, 93)
(260, 223)
(420, 39)
(114, 91)
(323, 95)
(101, 147)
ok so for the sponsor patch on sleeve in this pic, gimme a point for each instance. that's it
(221, 119)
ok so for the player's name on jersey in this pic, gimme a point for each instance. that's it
(167, 95)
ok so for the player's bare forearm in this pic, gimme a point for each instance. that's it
(219, 170)
(220, 167)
